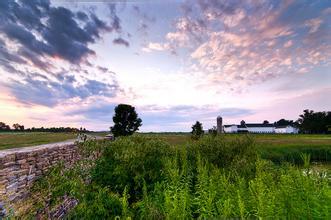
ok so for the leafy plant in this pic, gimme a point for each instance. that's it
(212, 178)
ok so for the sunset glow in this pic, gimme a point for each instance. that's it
(70, 64)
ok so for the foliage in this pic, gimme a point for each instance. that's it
(4, 126)
(314, 122)
(292, 153)
(126, 120)
(129, 162)
(284, 122)
(212, 131)
(18, 127)
(197, 130)
(212, 178)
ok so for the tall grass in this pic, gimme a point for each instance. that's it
(138, 177)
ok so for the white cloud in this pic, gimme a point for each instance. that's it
(155, 47)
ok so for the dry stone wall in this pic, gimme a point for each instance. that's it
(20, 167)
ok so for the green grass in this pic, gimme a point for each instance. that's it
(24, 139)
(276, 147)
(214, 178)
(172, 138)
(268, 140)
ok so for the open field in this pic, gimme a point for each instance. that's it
(267, 140)
(276, 147)
(140, 177)
(24, 139)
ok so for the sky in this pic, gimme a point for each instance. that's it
(69, 63)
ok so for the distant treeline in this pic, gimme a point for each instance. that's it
(17, 127)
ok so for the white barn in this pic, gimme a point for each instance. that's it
(286, 130)
(230, 129)
(260, 128)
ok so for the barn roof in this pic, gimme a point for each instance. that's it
(227, 126)
(250, 125)
(283, 126)
(259, 125)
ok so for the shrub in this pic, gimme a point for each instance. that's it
(128, 162)
(212, 178)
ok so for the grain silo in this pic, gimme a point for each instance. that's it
(219, 124)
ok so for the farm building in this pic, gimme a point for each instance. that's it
(259, 128)
(286, 130)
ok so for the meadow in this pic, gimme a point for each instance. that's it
(24, 139)
(275, 147)
(144, 177)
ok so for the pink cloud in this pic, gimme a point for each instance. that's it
(314, 24)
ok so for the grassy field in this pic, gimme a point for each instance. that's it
(276, 147)
(24, 139)
(140, 177)
(265, 140)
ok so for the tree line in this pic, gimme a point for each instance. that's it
(310, 122)
(314, 122)
(18, 127)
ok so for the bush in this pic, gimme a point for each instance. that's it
(128, 162)
(212, 178)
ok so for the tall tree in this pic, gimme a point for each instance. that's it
(18, 127)
(126, 120)
(314, 122)
(4, 127)
(197, 130)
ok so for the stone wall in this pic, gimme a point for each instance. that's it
(21, 166)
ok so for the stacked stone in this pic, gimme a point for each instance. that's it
(62, 210)
(20, 167)
(2, 210)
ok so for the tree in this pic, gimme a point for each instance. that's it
(126, 120)
(18, 127)
(197, 130)
(4, 127)
(213, 131)
(314, 122)
(242, 123)
(284, 122)
(265, 122)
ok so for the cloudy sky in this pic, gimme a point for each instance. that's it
(69, 64)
